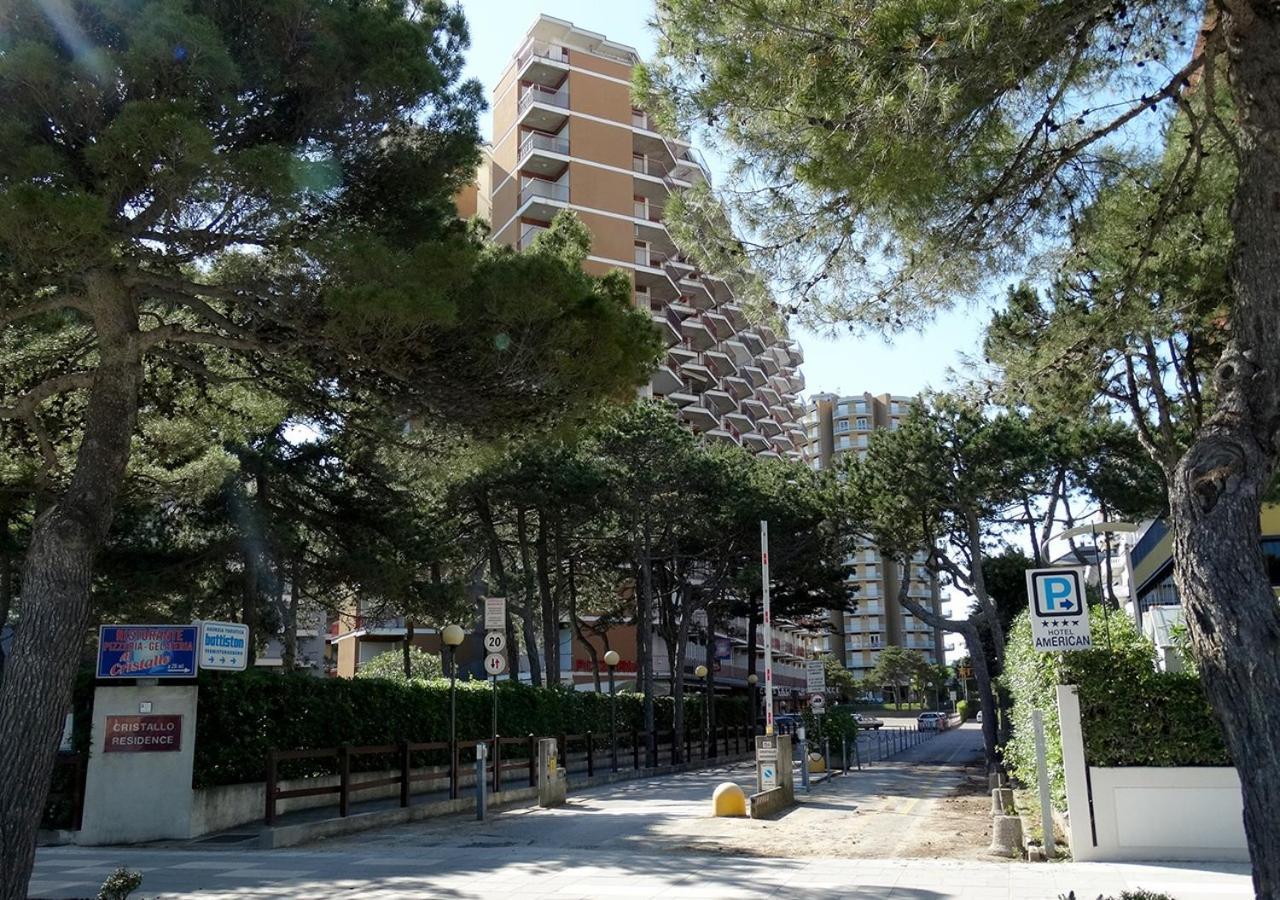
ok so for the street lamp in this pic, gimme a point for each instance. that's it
(611, 660)
(452, 636)
(701, 672)
(752, 680)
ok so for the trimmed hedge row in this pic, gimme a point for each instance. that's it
(241, 716)
(964, 709)
(1131, 714)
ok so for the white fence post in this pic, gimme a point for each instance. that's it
(1075, 771)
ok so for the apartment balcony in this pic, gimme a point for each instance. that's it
(543, 199)
(782, 415)
(698, 416)
(768, 334)
(740, 421)
(768, 395)
(797, 353)
(754, 374)
(691, 290)
(769, 427)
(666, 378)
(738, 386)
(741, 355)
(720, 401)
(669, 330)
(684, 354)
(722, 435)
(528, 232)
(736, 315)
(752, 339)
(697, 331)
(769, 453)
(754, 440)
(543, 154)
(753, 407)
(686, 396)
(798, 435)
(769, 364)
(782, 443)
(796, 382)
(698, 370)
(647, 211)
(720, 363)
(543, 108)
(542, 63)
(720, 323)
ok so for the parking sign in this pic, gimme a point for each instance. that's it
(1059, 613)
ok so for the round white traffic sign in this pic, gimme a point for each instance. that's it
(817, 701)
(495, 663)
(495, 642)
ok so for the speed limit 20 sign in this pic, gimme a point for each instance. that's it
(495, 642)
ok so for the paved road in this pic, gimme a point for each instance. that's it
(649, 838)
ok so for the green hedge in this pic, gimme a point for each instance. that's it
(1131, 714)
(965, 709)
(242, 716)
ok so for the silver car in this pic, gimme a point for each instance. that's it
(931, 721)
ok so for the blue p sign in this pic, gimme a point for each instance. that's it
(1057, 593)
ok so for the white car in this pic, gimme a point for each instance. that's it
(931, 721)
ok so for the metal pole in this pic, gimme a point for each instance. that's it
(804, 759)
(613, 722)
(1042, 775)
(495, 732)
(480, 780)
(453, 719)
(768, 629)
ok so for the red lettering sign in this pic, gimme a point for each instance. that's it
(143, 734)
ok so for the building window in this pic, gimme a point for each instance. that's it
(860, 406)
(862, 423)
(842, 425)
(1271, 553)
(874, 640)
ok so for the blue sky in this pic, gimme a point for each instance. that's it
(846, 365)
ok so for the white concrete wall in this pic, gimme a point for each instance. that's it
(135, 797)
(1193, 814)
(1178, 813)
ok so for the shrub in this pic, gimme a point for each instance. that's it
(241, 716)
(120, 884)
(964, 709)
(390, 665)
(1131, 714)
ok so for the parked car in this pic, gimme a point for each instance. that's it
(867, 721)
(931, 721)
(978, 717)
(787, 723)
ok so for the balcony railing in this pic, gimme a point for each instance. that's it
(647, 211)
(542, 51)
(538, 141)
(537, 94)
(548, 190)
(528, 233)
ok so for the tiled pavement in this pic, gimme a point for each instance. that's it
(496, 871)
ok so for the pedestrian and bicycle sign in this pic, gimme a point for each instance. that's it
(1059, 613)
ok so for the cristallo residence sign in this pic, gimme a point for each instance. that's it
(142, 734)
(147, 651)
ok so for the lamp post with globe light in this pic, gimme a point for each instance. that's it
(611, 660)
(453, 636)
(701, 672)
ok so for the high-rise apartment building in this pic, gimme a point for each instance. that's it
(839, 425)
(566, 136)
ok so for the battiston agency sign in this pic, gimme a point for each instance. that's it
(143, 734)
(147, 651)
(1059, 614)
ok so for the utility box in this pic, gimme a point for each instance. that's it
(773, 763)
(552, 778)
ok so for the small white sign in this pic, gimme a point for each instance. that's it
(1059, 613)
(224, 646)
(495, 613)
(495, 642)
(495, 663)
(768, 777)
(815, 677)
(767, 754)
(818, 702)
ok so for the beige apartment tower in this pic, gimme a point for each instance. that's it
(840, 425)
(566, 136)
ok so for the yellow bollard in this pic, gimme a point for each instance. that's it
(817, 763)
(728, 800)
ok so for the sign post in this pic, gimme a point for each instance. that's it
(1059, 613)
(768, 628)
(1042, 776)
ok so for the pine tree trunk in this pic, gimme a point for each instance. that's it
(1216, 492)
(644, 634)
(54, 606)
(550, 612)
(526, 608)
(6, 582)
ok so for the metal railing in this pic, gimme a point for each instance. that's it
(542, 51)
(538, 94)
(529, 232)
(536, 140)
(547, 190)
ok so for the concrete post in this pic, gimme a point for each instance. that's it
(481, 784)
(138, 784)
(552, 783)
(1075, 772)
(1042, 776)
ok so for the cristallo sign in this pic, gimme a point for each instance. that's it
(143, 734)
(147, 651)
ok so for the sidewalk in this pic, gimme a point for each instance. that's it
(492, 869)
